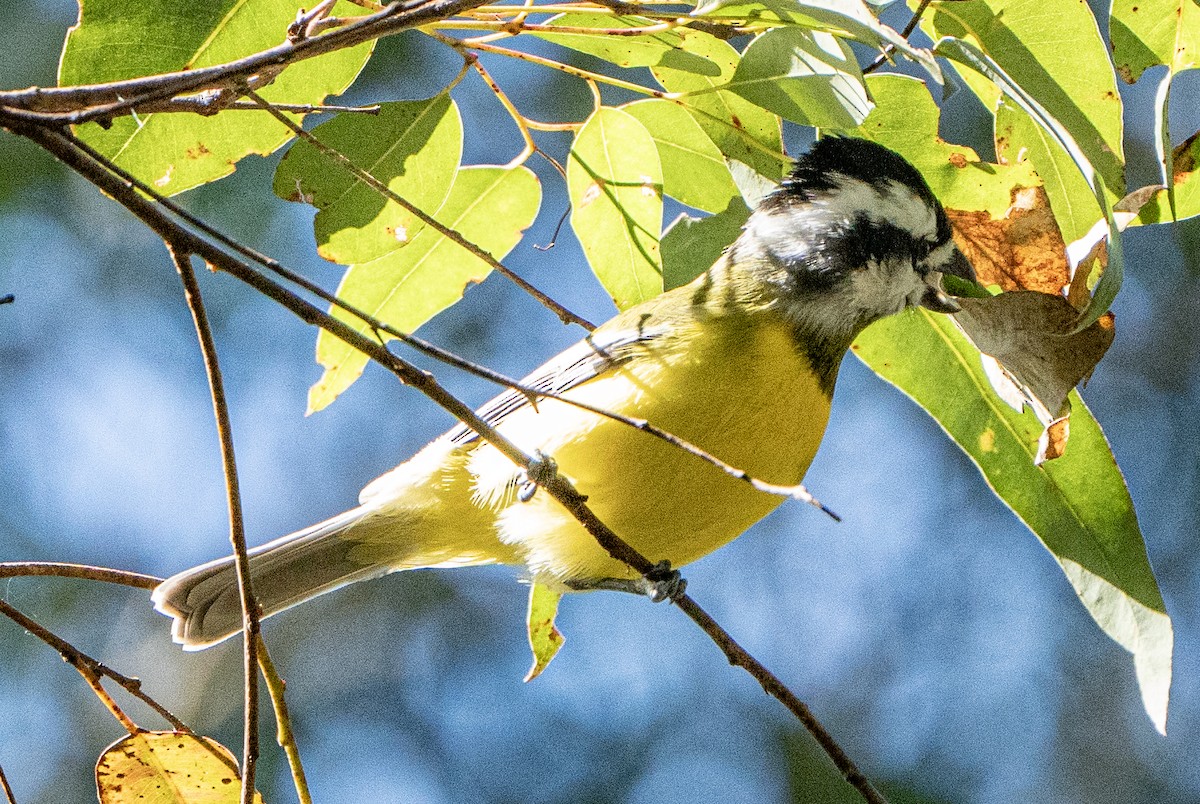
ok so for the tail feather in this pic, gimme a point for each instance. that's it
(418, 515)
(205, 602)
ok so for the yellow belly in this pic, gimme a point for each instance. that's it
(741, 392)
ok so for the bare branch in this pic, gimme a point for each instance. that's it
(283, 722)
(92, 669)
(237, 532)
(888, 50)
(19, 569)
(771, 684)
(798, 492)
(8, 793)
(74, 105)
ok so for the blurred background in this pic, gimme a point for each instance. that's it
(930, 631)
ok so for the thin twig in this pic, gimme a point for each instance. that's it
(8, 793)
(237, 532)
(19, 569)
(514, 28)
(744, 136)
(564, 315)
(62, 145)
(284, 735)
(74, 105)
(797, 492)
(771, 684)
(91, 668)
(517, 118)
(201, 105)
(578, 72)
(889, 49)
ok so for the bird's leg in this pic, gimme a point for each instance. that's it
(659, 584)
(541, 468)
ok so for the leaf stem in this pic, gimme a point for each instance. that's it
(480, 45)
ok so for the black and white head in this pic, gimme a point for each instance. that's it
(852, 235)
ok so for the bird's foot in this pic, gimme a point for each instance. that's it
(541, 468)
(659, 584)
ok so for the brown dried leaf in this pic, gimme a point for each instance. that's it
(1053, 441)
(1021, 251)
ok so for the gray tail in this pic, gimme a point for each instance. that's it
(205, 601)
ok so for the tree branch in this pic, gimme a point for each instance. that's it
(237, 532)
(102, 102)
(91, 670)
(65, 148)
(19, 569)
(8, 792)
(284, 735)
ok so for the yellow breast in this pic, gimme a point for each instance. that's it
(739, 389)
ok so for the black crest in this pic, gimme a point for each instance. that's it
(856, 159)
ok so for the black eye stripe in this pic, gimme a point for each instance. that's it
(876, 240)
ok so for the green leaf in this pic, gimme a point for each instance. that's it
(847, 18)
(906, 120)
(1077, 505)
(1020, 139)
(614, 179)
(1185, 171)
(488, 206)
(544, 638)
(413, 147)
(1146, 33)
(1106, 289)
(808, 77)
(1075, 84)
(177, 151)
(748, 135)
(690, 245)
(645, 50)
(694, 172)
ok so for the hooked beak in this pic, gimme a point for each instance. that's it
(937, 299)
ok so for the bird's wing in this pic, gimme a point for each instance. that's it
(590, 358)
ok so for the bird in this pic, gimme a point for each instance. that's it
(741, 362)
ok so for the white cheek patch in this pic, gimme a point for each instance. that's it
(906, 209)
(852, 197)
(777, 232)
(894, 203)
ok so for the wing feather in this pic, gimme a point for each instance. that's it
(592, 357)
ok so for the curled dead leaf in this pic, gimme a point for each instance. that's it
(1089, 254)
(1032, 356)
